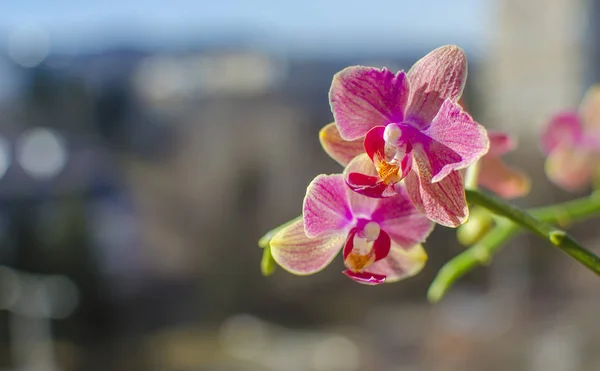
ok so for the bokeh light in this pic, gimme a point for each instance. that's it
(41, 152)
(28, 45)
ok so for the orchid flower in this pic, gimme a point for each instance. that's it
(412, 128)
(380, 237)
(572, 142)
(495, 175)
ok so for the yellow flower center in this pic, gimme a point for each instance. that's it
(388, 171)
(362, 254)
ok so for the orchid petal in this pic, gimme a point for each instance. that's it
(397, 216)
(337, 148)
(361, 164)
(382, 245)
(300, 255)
(326, 207)
(361, 167)
(438, 76)
(376, 147)
(441, 158)
(362, 178)
(569, 168)
(563, 129)
(443, 202)
(501, 179)
(400, 263)
(364, 97)
(365, 278)
(369, 186)
(455, 129)
(374, 144)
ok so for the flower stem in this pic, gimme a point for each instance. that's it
(478, 254)
(267, 264)
(569, 212)
(535, 220)
(472, 176)
(557, 237)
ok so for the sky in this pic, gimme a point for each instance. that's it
(306, 26)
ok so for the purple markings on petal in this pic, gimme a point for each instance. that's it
(400, 263)
(438, 76)
(406, 225)
(454, 128)
(298, 254)
(337, 148)
(440, 157)
(365, 278)
(326, 207)
(563, 129)
(443, 202)
(364, 97)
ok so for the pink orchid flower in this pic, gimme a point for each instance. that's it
(412, 128)
(380, 237)
(572, 142)
(495, 175)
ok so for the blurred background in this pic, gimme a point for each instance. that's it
(145, 146)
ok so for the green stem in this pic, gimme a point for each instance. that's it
(568, 212)
(267, 263)
(557, 237)
(472, 176)
(481, 253)
(478, 254)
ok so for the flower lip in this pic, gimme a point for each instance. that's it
(384, 234)
(390, 154)
(369, 186)
(366, 244)
(365, 277)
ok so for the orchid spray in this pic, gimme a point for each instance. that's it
(412, 157)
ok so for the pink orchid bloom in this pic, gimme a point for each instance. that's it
(380, 237)
(572, 142)
(495, 175)
(412, 128)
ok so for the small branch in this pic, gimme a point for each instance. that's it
(557, 237)
(479, 254)
(472, 176)
(482, 252)
(568, 212)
